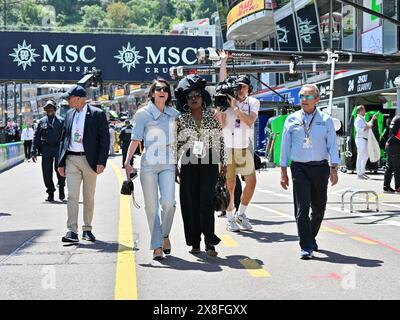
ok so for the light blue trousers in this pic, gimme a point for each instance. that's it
(158, 185)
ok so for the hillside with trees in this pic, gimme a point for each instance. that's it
(81, 15)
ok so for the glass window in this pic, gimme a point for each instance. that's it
(281, 3)
(389, 29)
(323, 12)
(349, 28)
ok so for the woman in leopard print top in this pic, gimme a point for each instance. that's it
(201, 151)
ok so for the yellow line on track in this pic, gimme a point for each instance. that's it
(373, 198)
(228, 241)
(125, 278)
(254, 268)
(332, 230)
(363, 240)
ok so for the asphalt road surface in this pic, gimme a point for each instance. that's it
(358, 258)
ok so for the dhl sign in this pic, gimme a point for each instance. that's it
(244, 9)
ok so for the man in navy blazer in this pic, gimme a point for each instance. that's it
(83, 155)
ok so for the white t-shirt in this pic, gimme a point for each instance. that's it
(360, 125)
(27, 134)
(236, 132)
(78, 127)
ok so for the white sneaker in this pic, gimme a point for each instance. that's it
(243, 222)
(232, 226)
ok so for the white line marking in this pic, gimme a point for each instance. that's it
(369, 216)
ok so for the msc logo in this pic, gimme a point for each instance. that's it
(24, 55)
(128, 57)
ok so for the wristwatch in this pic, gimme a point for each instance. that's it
(334, 167)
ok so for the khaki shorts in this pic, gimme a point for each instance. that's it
(240, 161)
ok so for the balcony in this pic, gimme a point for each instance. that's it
(251, 20)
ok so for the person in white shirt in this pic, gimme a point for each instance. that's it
(237, 122)
(362, 130)
(27, 138)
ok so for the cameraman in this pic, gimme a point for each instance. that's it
(237, 122)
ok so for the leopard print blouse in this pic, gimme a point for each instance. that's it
(210, 134)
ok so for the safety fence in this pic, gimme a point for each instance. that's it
(11, 154)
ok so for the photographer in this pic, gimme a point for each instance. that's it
(237, 121)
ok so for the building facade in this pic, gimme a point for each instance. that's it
(304, 25)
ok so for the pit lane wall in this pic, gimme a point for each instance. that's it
(11, 154)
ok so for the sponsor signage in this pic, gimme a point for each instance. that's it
(372, 41)
(286, 33)
(244, 9)
(308, 28)
(59, 56)
(291, 95)
(360, 83)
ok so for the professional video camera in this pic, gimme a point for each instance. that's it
(225, 88)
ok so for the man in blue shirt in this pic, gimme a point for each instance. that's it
(309, 140)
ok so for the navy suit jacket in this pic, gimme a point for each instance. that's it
(96, 137)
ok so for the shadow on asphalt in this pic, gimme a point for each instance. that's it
(12, 240)
(206, 264)
(58, 202)
(267, 237)
(269, 223)
(3, 214)
(101, 246)
(334, 257)
(379, 216)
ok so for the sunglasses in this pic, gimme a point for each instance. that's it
(308, 97)
(194, 96)
(163, 89)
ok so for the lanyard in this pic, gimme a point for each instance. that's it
(198, 129)
(308, 130)
(52, 123)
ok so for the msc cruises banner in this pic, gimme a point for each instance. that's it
(308, 28)
(64, 57)
(286, 33)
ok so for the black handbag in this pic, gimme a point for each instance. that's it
(128, 189)
(257, 161)
(222, 197)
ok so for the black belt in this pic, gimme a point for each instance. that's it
(313, 163)
(73, 153)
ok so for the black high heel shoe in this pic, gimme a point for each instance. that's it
(167, 250)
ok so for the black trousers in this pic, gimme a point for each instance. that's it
(197, 190)
(310, 187)
(393, 166)
(49, 163)
(27, 148)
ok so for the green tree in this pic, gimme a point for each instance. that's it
(93, 16)
(118, 15)
(204, 9)
(183, 10)
(140, 13)
(165, 23)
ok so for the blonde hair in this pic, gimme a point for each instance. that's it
(359, 108)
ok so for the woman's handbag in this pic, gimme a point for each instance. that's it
(257, 161)
(221, 198)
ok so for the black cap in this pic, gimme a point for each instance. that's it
(75, 91)
(50, 103)
(243, 79)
